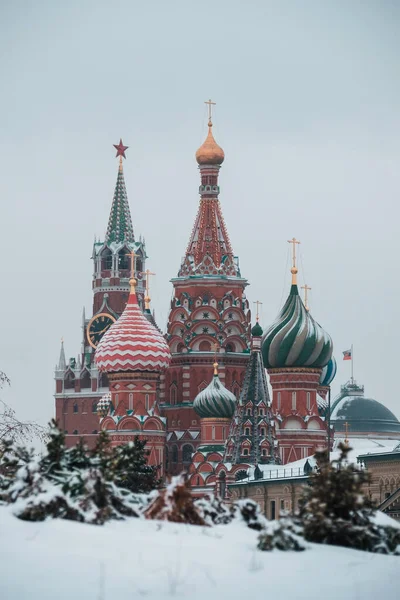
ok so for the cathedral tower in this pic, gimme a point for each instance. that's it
(295, 350)
(133, 353)
(209, 309)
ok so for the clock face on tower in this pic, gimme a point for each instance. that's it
(97, 327)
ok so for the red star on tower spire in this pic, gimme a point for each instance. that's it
(120, 149)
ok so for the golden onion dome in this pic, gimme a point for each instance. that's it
(209, 152)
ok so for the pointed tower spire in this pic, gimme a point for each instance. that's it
(209, 246)
(62, 363)
(252, 423)
(120, 227)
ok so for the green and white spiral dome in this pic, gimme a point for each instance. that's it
(295, 339)
(215, 401)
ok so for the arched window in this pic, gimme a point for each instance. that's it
(130, 401)
(147, 401)
(308, 400)
(76, 409)
(106, 260)
(174, 456)
(213, 432)
(69, 381)
(123, 260)
(75, 432)
(247, 431)
(116, 400)
(262, 431)
(264, 452)
(229, 348)
(86, 381)
(94, 407)
(249, 412)
(245, 451)
(187, 452)
(293, 400)
(139, 264)
(205, 346)
(261, 412)
(172, 394)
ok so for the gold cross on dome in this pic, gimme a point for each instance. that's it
(210, 104)
(294, 242)
(132, 281)
(132, 255)
(258, 304)
(306, 289)
(147, 298)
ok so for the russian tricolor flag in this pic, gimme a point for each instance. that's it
(347, 355)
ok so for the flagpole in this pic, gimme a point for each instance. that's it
(352, 365)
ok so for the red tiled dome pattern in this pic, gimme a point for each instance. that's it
(132, 344)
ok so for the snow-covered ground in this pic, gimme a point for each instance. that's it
(154, 560)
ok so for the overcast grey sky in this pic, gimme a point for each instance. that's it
(307, 112)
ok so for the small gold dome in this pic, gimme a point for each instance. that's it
(210, 153)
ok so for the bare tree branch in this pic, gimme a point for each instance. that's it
(11, 428)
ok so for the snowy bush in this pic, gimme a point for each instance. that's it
(213, 510)
(175, 503)
(249, 511)
(77, 484)
(281, 535)
(335, 510)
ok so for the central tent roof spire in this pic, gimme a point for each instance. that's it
(209, 251)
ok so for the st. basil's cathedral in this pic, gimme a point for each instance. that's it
(199, 393)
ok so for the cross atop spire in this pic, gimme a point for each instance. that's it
(306, 289)
(132, 281)
(258, 304)
(147, 298)
(210, 104)
(294, 270)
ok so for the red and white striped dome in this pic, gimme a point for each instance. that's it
(132, 343)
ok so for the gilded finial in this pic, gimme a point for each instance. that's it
(210, 104)
(147, 298)
(258, 304)
(209, 152)
(132, 281)
(306, 289)
(215, 365)
(294, 270)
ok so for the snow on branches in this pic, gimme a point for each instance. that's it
(11, 428)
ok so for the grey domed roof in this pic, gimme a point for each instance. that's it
(360, 413)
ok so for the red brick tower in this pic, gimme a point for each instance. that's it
(295, 349)
(133, 353)
(79, 385)
(209, 309)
